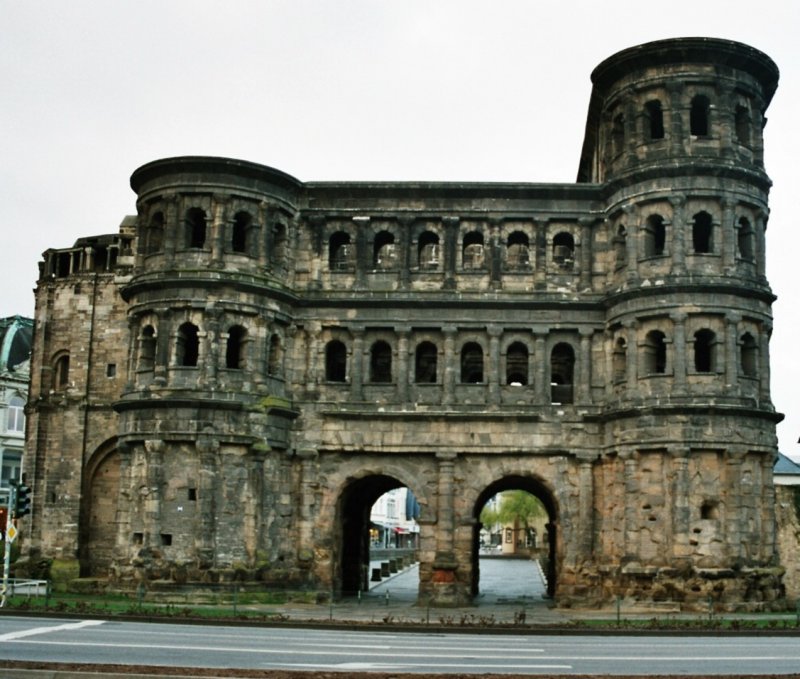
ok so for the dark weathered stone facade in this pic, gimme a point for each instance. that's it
(284, 352)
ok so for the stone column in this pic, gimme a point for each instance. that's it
(134, 352)
(764, 368)
(679, 351)
(450, 365)
(729, 238)
(632, 245)
(403, 373)
(319, 254)
(631, 351)
(674, 108)
(678, 235)
(541, 385)
(154, 457)
(584, 394)
(262, 246)
(449, 254)
(737, 505)
(680, 509)
(363, 259)
(219, 224)
(610, 346)
(357, 364)
(731, 353)
(760, 228)
(208, 454)
(406, 224)
(308, 491)
(445, 565)
(632, 501)
(585, 274)
(211, 345)
(493, 372)
(122, 548)
(173, 228)
(495, 255)
(314, 354)
(766, 510)
(585, 506)
(540, 256)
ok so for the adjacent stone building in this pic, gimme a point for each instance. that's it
(222, 388)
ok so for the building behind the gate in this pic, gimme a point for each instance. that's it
(222, 387)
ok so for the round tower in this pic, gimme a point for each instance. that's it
(675, 136)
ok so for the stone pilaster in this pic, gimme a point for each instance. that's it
(679, 506)
(586, 506)
(541, 384)
(450, 365)
(494, 332)
(357, 364)
(363, 259)
(450, 249)
(219, 229)
(154, 459)
(402, 373)
(728, 232)
(679, 367)
(584, 380)
(308, 492)
(631, 531)
(731, 354)
(679, 227)
(208, 454)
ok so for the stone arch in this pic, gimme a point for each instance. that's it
(98, 525)
(354, 498)
(541, 489)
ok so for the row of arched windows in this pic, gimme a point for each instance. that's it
(700, 123)
(426, 368)
(241, 233)
(654, 232)
(704, 354)
(186, 350)
(427, 251)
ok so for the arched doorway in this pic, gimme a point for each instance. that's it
(358, 532)
(544, 541)
(101, 506)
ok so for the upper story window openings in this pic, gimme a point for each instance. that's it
(335, 361)
(517, 364)
(241, 232)
(748, 356)
(187, 346)
(235, 348)
(562, 369)
(471, 363)
(702, 233)
(699, 116)
(147, 348)
(617, 135)
(195, 224)
(61, 372)
(380, 362)
(654, 120)
(384, 251)
(341, 255)
(425, 360)
(473, 253)
(428, 250)
(564, 250)
(655, 353)
(620, 359)
(518, 251)
(705, 351)
(655, 236)
(621, 246)
(742, 125)
(279, 237)
(275, 358)
(744, 240)
(16, 414)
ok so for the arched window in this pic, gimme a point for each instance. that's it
(517, 364)
(704, 351)
(698, 116)
(562, 369)
(655, 353)
(240, 235)
(702, 233)
(16, 414)
(518, 251)
(621, 246)
(620, 360)
(234, 350)
(744, 240)
(340, 252)
(335, 361)
(380, 362)
(655, 236)
(147, 348)
(425, 359)
(471, 363)
(384, 252)
(564, 250)
(275, 358)
(428, 253)
(654, 116)
(748, 355)
(472, 253)
(154, 234)
(187, 346)
(742, 125)
(61, 372)
(195, 228)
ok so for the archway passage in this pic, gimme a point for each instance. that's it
(358, 531)
(102, 529)
(539, 543)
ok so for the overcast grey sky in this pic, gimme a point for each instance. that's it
(337, 90)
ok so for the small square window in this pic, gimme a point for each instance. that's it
(166, 539)
(111, 370)
(192, 494)
(138, 538)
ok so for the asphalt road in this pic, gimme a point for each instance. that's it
(142, 644)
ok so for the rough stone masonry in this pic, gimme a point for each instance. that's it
(222, 388)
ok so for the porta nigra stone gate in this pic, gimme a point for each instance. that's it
(222, 388)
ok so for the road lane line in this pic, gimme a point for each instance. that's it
(66, 627)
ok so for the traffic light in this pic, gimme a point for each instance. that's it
(23, 505)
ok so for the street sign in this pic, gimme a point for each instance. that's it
(11, 533)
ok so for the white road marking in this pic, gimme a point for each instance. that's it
(66, 627)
